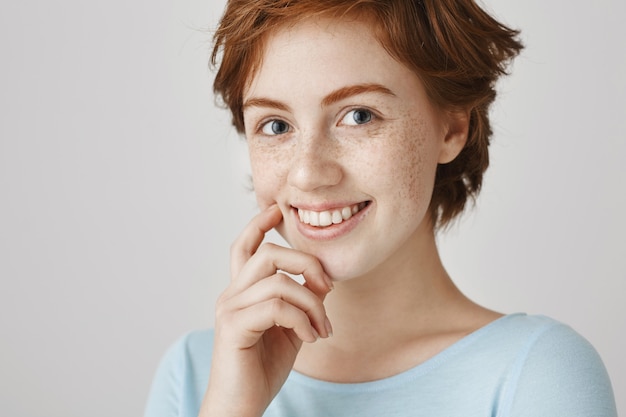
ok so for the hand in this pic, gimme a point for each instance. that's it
(262, 318)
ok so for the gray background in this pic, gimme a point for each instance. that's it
(121, 188)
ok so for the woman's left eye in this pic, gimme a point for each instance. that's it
(357, 117)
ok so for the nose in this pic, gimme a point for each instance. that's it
(315, 163)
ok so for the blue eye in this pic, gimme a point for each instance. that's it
(357, 117)
(275, 127)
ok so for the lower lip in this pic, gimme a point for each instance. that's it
(333, 231)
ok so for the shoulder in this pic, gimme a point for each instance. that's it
(196, 347)
(536, 336)
(192, 351)
(518, 337)
(556, 372)
(540, 338)
(527, 326)
(182, 376)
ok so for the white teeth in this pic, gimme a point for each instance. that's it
(326, 218)
(314, 218)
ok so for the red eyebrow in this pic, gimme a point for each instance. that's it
(354, 90)
(265, 102)
(332, 98)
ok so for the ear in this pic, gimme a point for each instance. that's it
(456, 131)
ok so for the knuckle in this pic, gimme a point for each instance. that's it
(223, 307)
(315, 310)
(309, 258)
(235, 247)
(276, 307)
(221, 299)
(282, 279)
(224, 297)
(314, 265)
(266, 247)
(222, 317)
(221, 311)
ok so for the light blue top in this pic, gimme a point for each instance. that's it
(518, 365)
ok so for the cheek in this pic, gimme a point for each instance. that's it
(412, 161)
(269, 170)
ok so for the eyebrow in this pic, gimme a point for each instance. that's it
(353, 90)
(265, 102)
(334, 97)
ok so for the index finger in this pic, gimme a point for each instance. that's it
(249, 240)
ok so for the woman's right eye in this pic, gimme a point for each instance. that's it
(275, 127)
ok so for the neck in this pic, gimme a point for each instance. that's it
(395, 317)
(412, 288)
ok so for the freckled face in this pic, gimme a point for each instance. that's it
(341, 133)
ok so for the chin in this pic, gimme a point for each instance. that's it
(339, 271)
(344, 265)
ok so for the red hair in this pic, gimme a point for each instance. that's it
(456, 48)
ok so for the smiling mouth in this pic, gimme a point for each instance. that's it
(330, 217)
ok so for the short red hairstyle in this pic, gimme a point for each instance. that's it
(455, 47)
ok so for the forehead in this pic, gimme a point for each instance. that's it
(332, 48)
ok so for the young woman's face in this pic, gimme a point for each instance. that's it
(343, 138)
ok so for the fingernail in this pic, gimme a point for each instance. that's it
(329, 327)
(329, 282)
(316, 335)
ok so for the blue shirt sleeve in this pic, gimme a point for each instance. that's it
(164, 397)
(181, 378)
(561, 375)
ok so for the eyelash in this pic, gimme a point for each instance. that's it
(371, 115)
(269, 122)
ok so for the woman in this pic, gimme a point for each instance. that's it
(367, 126)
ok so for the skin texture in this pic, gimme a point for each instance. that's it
(393, 305)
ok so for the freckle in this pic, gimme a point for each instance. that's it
(409, 157)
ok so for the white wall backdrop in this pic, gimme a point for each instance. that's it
(121, 188)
